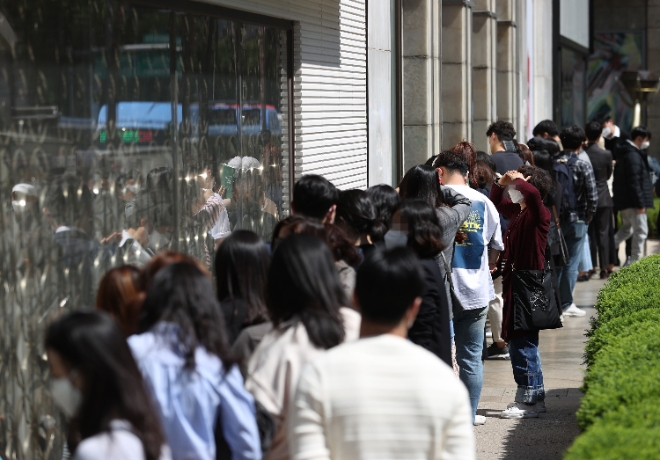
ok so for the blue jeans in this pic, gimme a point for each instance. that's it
(574, 235)
(469, 329)
(527, 372)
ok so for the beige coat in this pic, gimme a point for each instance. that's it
(275, 367)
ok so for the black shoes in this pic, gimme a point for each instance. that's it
(495, 352)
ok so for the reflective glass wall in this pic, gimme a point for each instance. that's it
(124, 130)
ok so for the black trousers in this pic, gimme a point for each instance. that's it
(600, 230)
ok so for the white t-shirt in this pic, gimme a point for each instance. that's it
(473, 284)
(118, 444)
(380, 398)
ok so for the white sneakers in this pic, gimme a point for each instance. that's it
(519, 410)
(573, 310)
(479, 420)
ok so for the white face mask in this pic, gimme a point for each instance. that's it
(515, 195)
(607, 131)
(66, 396)
(645, 145)
(19, 206)
(395, 239)
(158, 240)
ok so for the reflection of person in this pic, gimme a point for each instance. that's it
(182, 352)
(273, 176)
(82, 260)
(362, 383)
(526, 240)
(305, 300)
(250, 209)
(96, 383)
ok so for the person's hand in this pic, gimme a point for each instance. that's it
(513, 175)
(221, 191)
(641, 210)
(492, 267)
(114, 238)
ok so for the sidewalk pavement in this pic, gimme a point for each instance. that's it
(548, 436)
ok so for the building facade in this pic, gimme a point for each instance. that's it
(127, 126)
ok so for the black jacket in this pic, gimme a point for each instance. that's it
(601, 161)
(431, 327)
(506, 161)
(632, 181)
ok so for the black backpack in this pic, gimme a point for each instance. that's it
(564, 175)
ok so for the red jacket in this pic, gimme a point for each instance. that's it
(525, 239)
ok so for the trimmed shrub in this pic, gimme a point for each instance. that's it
(626, 372)
(632, 289)
(622, 385)
(613, 442)
(616, 329)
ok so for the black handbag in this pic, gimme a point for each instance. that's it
(535, 305)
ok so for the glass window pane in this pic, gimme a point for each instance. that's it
(115, 145)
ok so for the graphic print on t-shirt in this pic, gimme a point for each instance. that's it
(469, 254)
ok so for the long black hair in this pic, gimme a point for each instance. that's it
(93, 344)
(303, 282)
(421, 183)
(385, 200)
(424, 232)
(241, 265)
(357, 216)
(182, 294)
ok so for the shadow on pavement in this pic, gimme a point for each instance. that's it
(546, 437)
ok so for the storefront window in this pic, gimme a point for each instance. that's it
(124, 131)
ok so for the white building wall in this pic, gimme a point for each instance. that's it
(330, 84)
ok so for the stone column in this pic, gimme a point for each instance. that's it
(507, 57)
(484, 70)
(456, 71)
(379, 84)
(541, 65)
(421, 80)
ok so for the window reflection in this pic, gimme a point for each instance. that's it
(115, 145)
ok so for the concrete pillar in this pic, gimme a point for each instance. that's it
(379, 83)
(541, 53)
(507, 58)
(484, 69)
(421, 80)
(456, 71)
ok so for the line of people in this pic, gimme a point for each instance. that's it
(357, 331)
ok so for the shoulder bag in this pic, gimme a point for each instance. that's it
(558, 243)
(535, 305)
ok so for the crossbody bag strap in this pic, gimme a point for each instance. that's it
(447, 271)
(554, 213)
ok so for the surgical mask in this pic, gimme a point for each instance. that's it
(395, 239)
(19, 206)
(645, 145)
(66, 396)
(158, 240)
(133, 189)
(515, 195)
(607, 131)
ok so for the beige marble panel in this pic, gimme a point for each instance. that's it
(416, 87)
(417, 145)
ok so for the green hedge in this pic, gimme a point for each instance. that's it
(622, 384)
